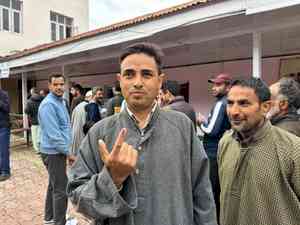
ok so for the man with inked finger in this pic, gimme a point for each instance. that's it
(143, 166)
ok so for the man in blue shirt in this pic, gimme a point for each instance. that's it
(55, 142)
(4, 136)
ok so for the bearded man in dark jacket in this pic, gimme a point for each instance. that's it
(285, 96)
(31, 110)
(115, 103)
(4, 136)
(173, 100)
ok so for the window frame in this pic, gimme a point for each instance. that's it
(59, 24)
(2, 20)
(11, 19)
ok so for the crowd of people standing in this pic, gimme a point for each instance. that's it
(137, 159)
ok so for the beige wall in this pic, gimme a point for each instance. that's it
(36, 23)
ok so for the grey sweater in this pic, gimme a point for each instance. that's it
(170, 187)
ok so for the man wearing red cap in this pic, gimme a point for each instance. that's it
(214, 128)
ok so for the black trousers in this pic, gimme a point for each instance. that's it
(56, 199)
(215, 183)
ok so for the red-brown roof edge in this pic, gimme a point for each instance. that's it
(127, 23)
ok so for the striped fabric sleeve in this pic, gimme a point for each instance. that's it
(215, 121)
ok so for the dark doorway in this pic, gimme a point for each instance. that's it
(184, 91)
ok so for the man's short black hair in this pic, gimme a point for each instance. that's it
(260, 88)
(55, 75)
(146, 48)
(79, 88)
(172, 86)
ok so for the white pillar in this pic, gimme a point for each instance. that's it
(257, 55)
(24, 101)
(67, 85)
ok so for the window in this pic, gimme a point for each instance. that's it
(16, 5)
(10, 15)
(61, 26)
(5, 17)
(61, 32)
(5, 3)
(16, 22)
(53, 31)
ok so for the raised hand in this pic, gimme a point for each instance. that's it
(200, 119)
(121, 161)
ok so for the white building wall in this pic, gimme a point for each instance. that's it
(36, 28)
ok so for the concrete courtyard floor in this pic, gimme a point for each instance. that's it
(22, 197)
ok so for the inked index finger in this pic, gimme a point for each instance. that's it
(119, 141)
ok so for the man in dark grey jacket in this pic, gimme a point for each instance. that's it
(31, 109)
(143, 166)
(173, 100)
(114, 104)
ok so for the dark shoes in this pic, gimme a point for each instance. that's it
(4, 177)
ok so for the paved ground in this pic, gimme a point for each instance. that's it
(22, 196)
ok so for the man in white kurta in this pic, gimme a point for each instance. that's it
(78, 120)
